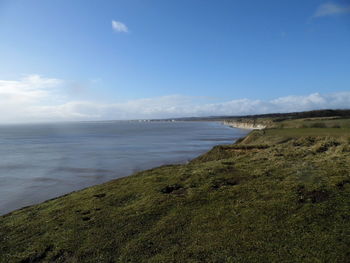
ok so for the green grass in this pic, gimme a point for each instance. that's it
(280, 195)
(329, 122)
(278, 135)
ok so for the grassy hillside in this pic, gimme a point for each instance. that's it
(279, 195)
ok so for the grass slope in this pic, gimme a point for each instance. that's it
(279, 195)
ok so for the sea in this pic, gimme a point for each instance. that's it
(43, 161)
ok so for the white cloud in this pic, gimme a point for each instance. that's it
(330, 9)
(36, 99)
(29, 88)
(19, 97)
(119, 27)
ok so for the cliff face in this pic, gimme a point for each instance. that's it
(245, 125)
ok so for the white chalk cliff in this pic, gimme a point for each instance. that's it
(245, 125)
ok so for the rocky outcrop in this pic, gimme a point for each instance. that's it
(245, 125)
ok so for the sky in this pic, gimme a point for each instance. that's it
(63, 60)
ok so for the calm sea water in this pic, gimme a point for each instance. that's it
(42, 161)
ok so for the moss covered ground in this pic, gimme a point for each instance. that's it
(278, 195)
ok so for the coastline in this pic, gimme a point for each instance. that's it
(262, 190)
(167, 161)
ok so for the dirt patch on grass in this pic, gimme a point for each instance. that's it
(38, 257)
(325, 146)
(229, 163)
(314, 196)
(217, 184)
(100, 195)
(172, 189)
(341, 184)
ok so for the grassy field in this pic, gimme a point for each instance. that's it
(328, 122)
(278, 195)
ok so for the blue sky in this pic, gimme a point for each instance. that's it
(154, 58)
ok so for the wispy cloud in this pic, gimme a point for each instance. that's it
(35, 99)
(331, 9)
(119, 27)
